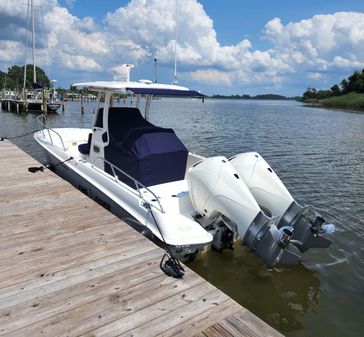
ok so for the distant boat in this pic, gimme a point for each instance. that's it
(38, 98)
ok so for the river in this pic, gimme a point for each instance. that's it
(319, 155)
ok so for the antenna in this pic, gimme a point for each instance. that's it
(155, 70)
(175, 47)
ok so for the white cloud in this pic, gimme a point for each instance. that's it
(79, 62)
(314, 76)
(347, 63)
(210, 77)
(10, 50)
(152, 26)
(316, 42)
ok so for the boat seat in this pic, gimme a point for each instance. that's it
(85, 147)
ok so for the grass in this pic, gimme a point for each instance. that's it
(352, 100)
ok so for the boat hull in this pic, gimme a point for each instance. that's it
(67, 173)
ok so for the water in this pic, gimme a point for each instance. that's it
(319, 155)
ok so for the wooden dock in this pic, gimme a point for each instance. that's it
(70, 268)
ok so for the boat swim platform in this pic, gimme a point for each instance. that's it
(71, 268)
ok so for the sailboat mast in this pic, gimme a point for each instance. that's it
(26, 49)
(175, 48)
(33, 42)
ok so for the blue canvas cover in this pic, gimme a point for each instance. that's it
(148, 153)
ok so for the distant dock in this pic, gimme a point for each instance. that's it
(70, 268)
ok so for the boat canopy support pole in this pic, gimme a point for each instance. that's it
(97, 107)
(137, 104)
(147, 106)
(105, 115)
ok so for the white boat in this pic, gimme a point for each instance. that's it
(182, 201)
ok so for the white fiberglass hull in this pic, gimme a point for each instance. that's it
(220, 201)
(175, 225)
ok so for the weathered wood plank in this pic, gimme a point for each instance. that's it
(67, 298)
(17, 293)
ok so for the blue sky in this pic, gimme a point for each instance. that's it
(224, 47)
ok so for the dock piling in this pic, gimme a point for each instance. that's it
(82, 108)
(45, 107)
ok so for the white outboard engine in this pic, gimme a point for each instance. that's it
(267, 189)
(275, 200)
(218, 192)
(216, 188)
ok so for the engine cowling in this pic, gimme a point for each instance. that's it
(216, 188)
(265, 186)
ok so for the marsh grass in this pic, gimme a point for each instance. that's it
(352, 100)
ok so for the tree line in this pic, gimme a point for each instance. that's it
(263, 96)
(13, 79)
(354, 83)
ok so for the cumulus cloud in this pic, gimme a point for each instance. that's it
(63, 40)
(210, 77)
(152, 25)
(322, 42)
(79, 62)
(144, 29)
(16, 48)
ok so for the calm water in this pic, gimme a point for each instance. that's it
(319, 155)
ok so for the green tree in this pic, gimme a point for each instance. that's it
(336, 91)
(16, 73)
(74, 89)
(321, 94)
(310, 93)
(6, 82)
(354, 83)
(344, 85)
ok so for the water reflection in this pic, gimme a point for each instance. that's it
(280, 295)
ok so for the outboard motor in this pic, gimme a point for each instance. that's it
(274, 198)
(308, 226)
(218, 192)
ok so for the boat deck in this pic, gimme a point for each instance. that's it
(71, 268)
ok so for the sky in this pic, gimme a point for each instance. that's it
(223, 47)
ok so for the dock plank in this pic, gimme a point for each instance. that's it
(68, 267)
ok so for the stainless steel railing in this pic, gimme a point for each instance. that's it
(42, 122)
(137, 183)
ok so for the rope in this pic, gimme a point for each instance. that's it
(169, 264)
(14, 137)
(41, 168)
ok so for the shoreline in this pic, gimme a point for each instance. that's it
(336, 108)
(350, 102)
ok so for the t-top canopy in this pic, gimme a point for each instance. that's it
(144, 87)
